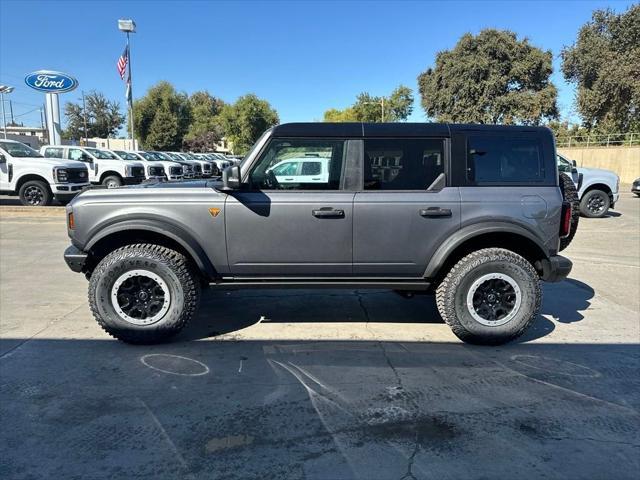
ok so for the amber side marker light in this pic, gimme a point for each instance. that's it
(214, 212)
(71, 221)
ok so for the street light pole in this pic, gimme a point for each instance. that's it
(129, 26)
(4, 89)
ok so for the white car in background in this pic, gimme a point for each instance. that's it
(103, 168)
(301, 170)
(172, 170)
(152, 170)
(598, 189)
(37, 180)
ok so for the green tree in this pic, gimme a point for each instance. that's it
(604, 64)
(490, 78)
(103, 117)
(162, 117)
(205, 129)
(367, 108)
(245, 120)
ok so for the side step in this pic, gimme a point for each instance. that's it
(234, 283)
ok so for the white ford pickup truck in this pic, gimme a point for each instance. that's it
(38, 180)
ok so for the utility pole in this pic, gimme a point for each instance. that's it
(13, 122)
(382, 109)
(84, 113)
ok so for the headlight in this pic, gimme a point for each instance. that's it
(128, 170)
(61, 175)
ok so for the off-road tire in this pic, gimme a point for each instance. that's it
(570, 194)
(584, 203)
(451, 295)
(174, 269)
(114, 180)
(42, 188)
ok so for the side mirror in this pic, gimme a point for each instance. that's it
(574, 163)
(3, 159)
(231, 178)
(86, 158)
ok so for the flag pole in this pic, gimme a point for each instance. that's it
(130, 96)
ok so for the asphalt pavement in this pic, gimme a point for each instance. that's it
(324, 384)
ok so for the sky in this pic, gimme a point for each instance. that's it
(303, 57)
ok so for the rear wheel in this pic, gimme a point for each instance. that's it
(490, 296)
(143, 293)
(595, 203)
(35, 193)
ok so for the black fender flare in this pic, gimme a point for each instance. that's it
(475, 230)
(161, 226)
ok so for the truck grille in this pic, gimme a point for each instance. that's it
(206, 167)
(188, 169)
(197, 168)
(156, 171)
(137, 171)
(77, 175)
(175, 170)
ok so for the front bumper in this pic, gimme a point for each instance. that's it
(555, 268)
(133, 180)
(69, 188)
(75, 258)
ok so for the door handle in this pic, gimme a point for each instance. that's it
(328, 212)
(435, 212)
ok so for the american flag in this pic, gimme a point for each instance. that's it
(122, 62)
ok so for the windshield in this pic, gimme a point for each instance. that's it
(99, 153)
(255, 145)
(174, 156)
(19, 150)
(160, 156)
(148, 156)
(125, 155)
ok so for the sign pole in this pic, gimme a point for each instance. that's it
(53, 118)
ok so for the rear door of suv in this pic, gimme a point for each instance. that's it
(405, 209)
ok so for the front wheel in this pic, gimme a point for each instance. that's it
(490, 296)
(143, 293)
(595, 203)
(35, 193)
(112, 181)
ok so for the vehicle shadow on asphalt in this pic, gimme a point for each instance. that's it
(224, 312)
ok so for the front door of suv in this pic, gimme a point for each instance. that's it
(297, 229)
(405, 210)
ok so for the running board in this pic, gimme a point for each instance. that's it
(230, 283)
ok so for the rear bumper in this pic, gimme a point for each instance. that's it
(556, 268)
(75, 258)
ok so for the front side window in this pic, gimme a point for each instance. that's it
(19, 150)
(77, 154)
(402, 164)
(283, 165)
(503, 159)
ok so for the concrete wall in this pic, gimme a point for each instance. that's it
(625, 161)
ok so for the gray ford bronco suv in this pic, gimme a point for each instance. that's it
(473, 213)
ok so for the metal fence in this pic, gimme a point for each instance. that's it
(602, 140)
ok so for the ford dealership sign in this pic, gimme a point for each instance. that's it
(51, 82)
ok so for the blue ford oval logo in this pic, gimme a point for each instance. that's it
(51, 82)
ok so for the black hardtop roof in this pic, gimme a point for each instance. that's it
(401, 129)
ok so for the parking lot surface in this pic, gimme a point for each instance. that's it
(331, 384)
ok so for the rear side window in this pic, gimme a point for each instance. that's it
(402, 164)
(492, 159)
(311, 168)
(53, 152)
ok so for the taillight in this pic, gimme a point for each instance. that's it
(565, 224)
(71, 222)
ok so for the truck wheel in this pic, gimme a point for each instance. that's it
(143, 293)
(570, 194)
(35, 193)
(595, 203)
(490, 296)
(112, 181)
